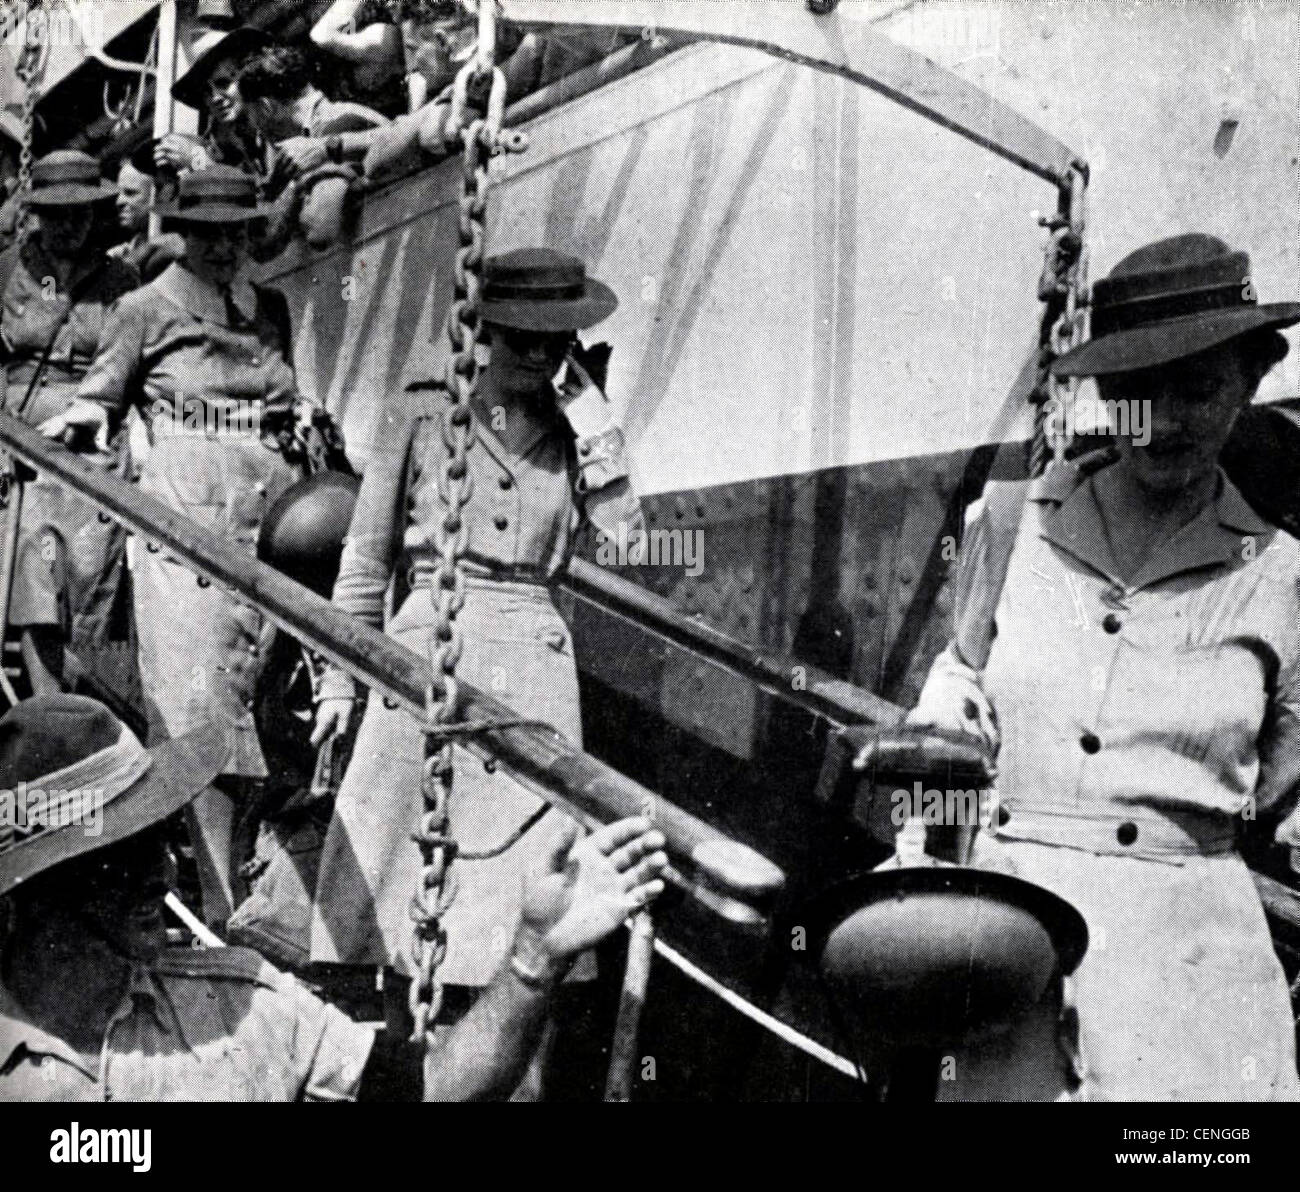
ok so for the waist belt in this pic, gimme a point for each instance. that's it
(421, 574)
(1167, 835)
(20, 372)
(216, 424)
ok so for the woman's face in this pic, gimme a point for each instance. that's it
(1190, 407)
(523, 362)
(221, 94)
(216, 252)
(63, 231)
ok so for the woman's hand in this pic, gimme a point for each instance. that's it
(178, 152)
(587, 891)
(80, 414)
(333, 716)
(955, 704)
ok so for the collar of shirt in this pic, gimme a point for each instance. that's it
(1071, 519)
(201, 298)
(538, 429)
(17, 1030)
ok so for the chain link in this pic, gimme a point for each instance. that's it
(30, 65)
(436, 888)
(1064, 291)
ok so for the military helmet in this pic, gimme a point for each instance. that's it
(302, 534)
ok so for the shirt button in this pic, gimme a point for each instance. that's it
(500, 521)
(1090, 742)
(506, 482)
(1111, 623)
(1126, 833)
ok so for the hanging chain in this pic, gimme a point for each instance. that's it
(31, 63)
(1063, 288)
(481, 138)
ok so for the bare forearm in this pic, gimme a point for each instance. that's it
(486, 1053)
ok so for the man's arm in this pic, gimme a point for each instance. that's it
(587, 891)
(336, 32)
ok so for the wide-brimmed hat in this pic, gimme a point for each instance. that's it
(76, 779)
(538, 289)
(211, 47)
(1168, 300)
(219, 194)
(67, 178)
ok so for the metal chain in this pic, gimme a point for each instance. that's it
(1064, 290)
(436, 888)
(31, 62)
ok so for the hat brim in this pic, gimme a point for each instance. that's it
(244, 40)
(215, 213)
(179, 770)
(553, 314)
(1171, 339)
(71, 194)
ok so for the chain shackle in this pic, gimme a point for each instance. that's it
(1063, 289)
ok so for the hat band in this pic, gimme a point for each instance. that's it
(214, 199)
(1110, 317)
(72, 795)
(511, 292)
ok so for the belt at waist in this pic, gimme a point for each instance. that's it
(166, 427)
(420, 574)
(20, 372)
(1167, 835)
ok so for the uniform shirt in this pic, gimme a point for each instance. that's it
(522, 518)
(172, 348)
(1122, 706)
(218, 1025)
(32, 309)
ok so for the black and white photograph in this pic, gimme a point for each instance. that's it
(664, 551)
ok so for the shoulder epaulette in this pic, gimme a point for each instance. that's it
(231, 964)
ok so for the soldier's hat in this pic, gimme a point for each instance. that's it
(67, 178)
(539, 289)
(211, 47)
(218, 194)
(76, 779)
(1168, 300)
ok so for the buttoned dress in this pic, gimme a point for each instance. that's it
(525, 510)
(206, 377)
(219, 1025)
(1143, 723)
(68, 566)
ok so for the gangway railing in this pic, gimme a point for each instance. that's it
(725, 875)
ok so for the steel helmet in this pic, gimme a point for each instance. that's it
(302, 534)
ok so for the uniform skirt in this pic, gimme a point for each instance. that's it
(517, 648)
(1179, 998)
(201, 650)
(68, 564)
